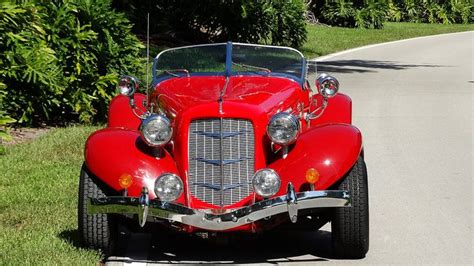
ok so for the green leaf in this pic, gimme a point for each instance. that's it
(4, 136)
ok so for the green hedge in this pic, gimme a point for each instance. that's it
(372, 13)
(60, 60)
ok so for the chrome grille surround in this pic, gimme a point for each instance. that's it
(221, 160)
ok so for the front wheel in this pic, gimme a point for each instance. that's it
(97, 230)
(350, 225)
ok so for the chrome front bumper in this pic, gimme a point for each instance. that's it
(290, 203)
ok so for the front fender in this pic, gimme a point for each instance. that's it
(112, 152)
(121, 114)
(331, 149)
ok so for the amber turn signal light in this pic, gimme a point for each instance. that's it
(125, 181)
(312, 175)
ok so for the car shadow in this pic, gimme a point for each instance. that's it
(271, 247)
(362, 66)
(71, 237)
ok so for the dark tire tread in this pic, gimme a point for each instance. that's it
(95, 231)
(350, 226)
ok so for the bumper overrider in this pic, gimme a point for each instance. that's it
(290, 203)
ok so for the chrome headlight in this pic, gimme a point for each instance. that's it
(168, 187)
(283, 128)
(266, 182)
(156, 130)
(128, 85)
(327, 86)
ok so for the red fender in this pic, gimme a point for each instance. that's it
(121, 114)
(338, 110)
(331, 149)
(112, 152)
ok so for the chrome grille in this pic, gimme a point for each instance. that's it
(221, 160)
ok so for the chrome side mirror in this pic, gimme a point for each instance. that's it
(127, 86)
(327, 86)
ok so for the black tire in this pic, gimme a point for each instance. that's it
(350, 225)
(97, 231)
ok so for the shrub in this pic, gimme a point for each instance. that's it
(61, 59)
(434, 11)
(364, 14)
(372, 14)
(339, 13)
(271, 22)
(461, 11)
(4, 118)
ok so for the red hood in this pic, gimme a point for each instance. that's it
(267, 93)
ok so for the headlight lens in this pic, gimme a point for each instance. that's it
(266, 182)
(168, 187)
(327, 86)
(156, 130)
(283, 128)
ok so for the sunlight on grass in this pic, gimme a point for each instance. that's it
(38, 188)
(324, 40)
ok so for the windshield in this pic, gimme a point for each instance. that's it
(230, 59)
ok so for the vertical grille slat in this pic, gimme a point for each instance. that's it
(206, 163)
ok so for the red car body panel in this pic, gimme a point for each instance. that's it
(120, 113)
(331, 149)
(338, 110)
(267, 94)
(329, 144)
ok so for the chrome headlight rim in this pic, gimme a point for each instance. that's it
(293, 120)
(160, 195)
(258, 190)
(158, 118)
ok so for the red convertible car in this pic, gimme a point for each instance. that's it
(230, 138)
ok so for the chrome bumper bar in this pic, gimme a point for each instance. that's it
(290, 203)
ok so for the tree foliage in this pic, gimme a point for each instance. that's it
(61, 59)
(269, 22)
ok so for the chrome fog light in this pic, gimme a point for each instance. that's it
(156, 130)
(283, 128)
(168, 187)
(266, 182)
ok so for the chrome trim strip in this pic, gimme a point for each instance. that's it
(290, 203)
(189, 46)
(220, 162)
(217, 135)
(217, 187)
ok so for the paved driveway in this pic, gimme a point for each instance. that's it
(413, 101)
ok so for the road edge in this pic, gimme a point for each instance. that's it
(329, 56)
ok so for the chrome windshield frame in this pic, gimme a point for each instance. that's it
(228, 64)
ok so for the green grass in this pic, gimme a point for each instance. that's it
(38, 180)
(38, 200)
(324, 40)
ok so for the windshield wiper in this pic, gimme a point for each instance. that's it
(250, 67)
(171, 72)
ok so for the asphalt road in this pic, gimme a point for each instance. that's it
(413, 101)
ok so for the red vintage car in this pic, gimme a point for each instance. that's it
(231, 138)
